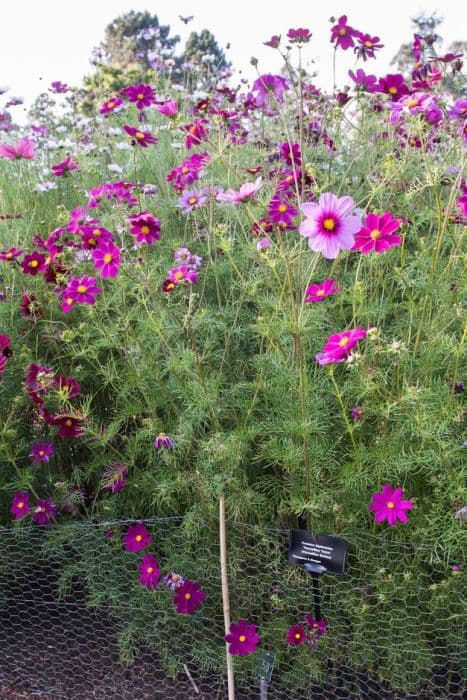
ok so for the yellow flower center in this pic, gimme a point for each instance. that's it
(41, 453)
(42, 509)
(107, 258)
(369, 44)
(139, 135)
(390, 505)
(192, 129)
(329, 224)
(187, 596)
(297, 635)
(68, 422)
(179, 276)
(96, 232)
(92, 242)
(145, 229)
(343, 342)
(9, 256)
(242, 638)
(342, 31)
(138, 538)
(375, 234)
(320, 293)
(111, 104)
(282, 208)
(150, 570)
(392, 90)
(185, 170)
(412, 103)
(82, 289)
(140, 96)
(69, 301)
(20, 504)
(192, 200)
(33, 263)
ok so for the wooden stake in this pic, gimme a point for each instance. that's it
(225, 593)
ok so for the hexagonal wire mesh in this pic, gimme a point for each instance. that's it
(75, 622)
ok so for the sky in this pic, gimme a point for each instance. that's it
(52, 39)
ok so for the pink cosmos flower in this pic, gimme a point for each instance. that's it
(363, 81)
(183, 273)
(339, 345)
(188, 597)
(263, 244)
(367, 45)
(65, 167)
(330, 226)
(169, 108)
(115, 476)
(34, 263)
(299, 36)
(246, 191)
(377, 234)
(110, 105)
(269, 89)
(142, 138)
(141, 94)
(317, 292)
(295, 635)
(149, 572)
(393, 84)
(106, 259)
(342, 34)
(41, 452)
(93, 236)
(196, 132)
(44, 511)
(136, 538)
(281, 212)
(79, 291)
(458, 110)
(146, 227)
(389, 505)
(20, 504)
(318, 626)
(243, 638)
(23, 148)
(189, 171)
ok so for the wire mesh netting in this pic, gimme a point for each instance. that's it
(75, 621)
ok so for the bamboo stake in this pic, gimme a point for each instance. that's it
(225, 593)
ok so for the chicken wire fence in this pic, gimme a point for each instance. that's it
(76, 622)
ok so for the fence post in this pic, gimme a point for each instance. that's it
(225, 593)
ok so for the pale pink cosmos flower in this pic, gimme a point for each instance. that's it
(23, 148)
(330, 226)
(246, 191)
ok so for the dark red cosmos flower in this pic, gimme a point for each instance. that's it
(68, 425)
(196, 132)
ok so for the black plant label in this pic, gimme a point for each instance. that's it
(321, 553)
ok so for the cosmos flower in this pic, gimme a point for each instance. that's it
(246, 191)
(41, 452)
(79, 291)
(192, 199)
(377, 234)
(23, 148)
(269, 89)
(295, 635)
(136, 538)
(188, 171)
(273, 42)
(44, 511)
(169, 108)
(318, 626)
(183, 273)
(363, 81)
(142, 138)
(281, 212)
(141, 94)
(367, 45)
(390, 505)
(11, 254)
(330, 226)
(149, 572)
(34, 263)
(173, 580)
(317, 292)
(69, 426)
(115, 476)
(393, 84)
(339, 345)
(196, 132)
(243, 638)
(342, 34)
(20, 504)
(299, 36)
(106, 259)
(110, 105)
(145, 227)
(65, 167)
(188, 597)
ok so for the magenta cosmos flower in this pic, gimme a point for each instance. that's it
(330, 226)
(281, 212)
(295, 635)
(273, 42)
(115, 476)
(11, 254)
(339, 345)
(319, 627)
(34, 263)
(44, 511)
(299, 36)
(342, 34)
(65, 167)
(196, 132)
(183, 273)
(268, 89)
(367, 45)
(136, 538)
(20, 504)
(142, 138)
(246, 191)
(69, 426)
(24, 148)
(169, 108)
(149, 572)
(110, 105)
(79, 291)
(243, 638)
(390, 505)
(377, 234)
(41, 452)
(142, 95)
(393, 84)
(145, 227)
(106, 259)
(189, 597)
(317, 292)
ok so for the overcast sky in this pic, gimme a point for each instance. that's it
(47, 40)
